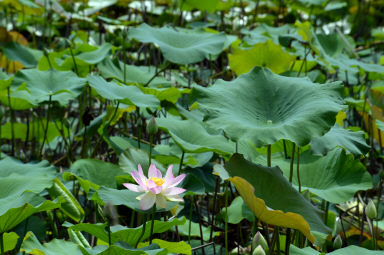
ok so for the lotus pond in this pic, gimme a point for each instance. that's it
(191, 127)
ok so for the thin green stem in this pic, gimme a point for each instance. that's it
(153, 223)
(291, 163)
(2, 243)
(150, 150)
(226, 219)
(12, 116)
(269, 155)
(298, 168)
(181, 162)
(46, 126)
(190, 222)
(142, 231)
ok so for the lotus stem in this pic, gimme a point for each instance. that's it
(46, 126)
(181, 161)
(2, 243)
(291, 163)
(190, 222)
(226, 219)
(12, 116)
(150, 150)
(153, 223)
(269, 155)
(142, 231)
(298, 168)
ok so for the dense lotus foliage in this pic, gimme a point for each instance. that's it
(191, 127)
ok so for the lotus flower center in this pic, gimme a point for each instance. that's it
(157, 181)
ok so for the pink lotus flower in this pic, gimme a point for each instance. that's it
(157, 189)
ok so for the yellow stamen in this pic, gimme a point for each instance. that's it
(157, 181)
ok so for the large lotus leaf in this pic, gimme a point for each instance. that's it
(170, 154)
(172, 247)
(263, 107)
(191, 136)
(263, 32)
(125, 94)
(271, 186)
(133, 157)
(20, 99)
(92, 173)
(335, 177)
(62, 86)
(238, 211)
(10, 166)
(349, 250)
(16, 209)
(265, 54)
(273, 217)
(124, 249)
(127, 235)
(353, 142)
(95, 56)
(180, 46)
(171, 94)
(133, 74)
(17, 52)
(31, 245)
(15, 185)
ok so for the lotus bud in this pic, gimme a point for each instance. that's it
(370, 210)
(258, 251)
(337, 243)
(152, 126)
(338, 226)
(259, 239)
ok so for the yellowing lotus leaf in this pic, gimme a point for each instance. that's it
(267, 54)
(273, 217)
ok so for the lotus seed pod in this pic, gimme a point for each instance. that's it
(370, 210)
(259, 239)
(258, 251)
(337, 243)
(152, 126)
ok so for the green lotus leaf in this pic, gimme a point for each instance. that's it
(180, 46)
(263, 107)
(266, 54)
(9, 166)
(31, 245)
(124, 249)
(131, 95)
(349, 250)
(133, 74)
(124, 234)
(191, 136)
(17, 52)
(16, 209)
(278, 194)
(133, 157)
(92, 173)
(172, 247)
(62, 86)
(238, 211)
(95, 56)
(335, 177)
(353, 142)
